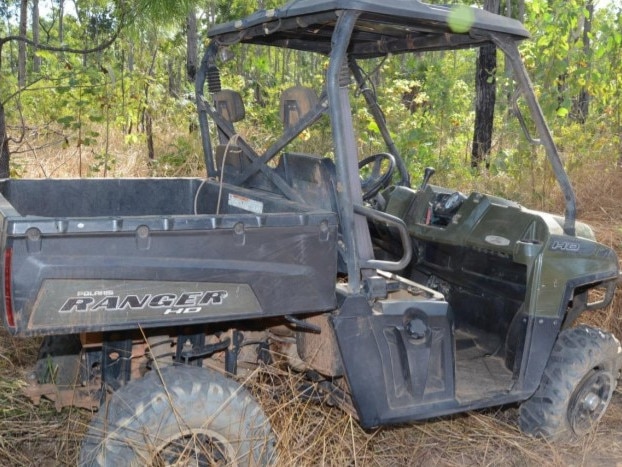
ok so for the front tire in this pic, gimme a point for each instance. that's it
(179, 416)
(576, 387)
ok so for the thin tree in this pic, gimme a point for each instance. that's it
(581, 104)
(61, 21)
(191, 44)
(4, 147)
(513, 9)
(149, 14)
(36, 60)
(21, 48)
(485, 97)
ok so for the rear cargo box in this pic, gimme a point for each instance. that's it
(101, 255)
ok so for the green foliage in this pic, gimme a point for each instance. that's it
(428, 99)
(181, 157)
(161, 12)
(228, 10)
(72, 96)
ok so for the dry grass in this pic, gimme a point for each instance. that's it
(315, 434)
(311, 435)
(32, 435)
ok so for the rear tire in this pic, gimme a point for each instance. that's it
(576, 387)
(186, 416)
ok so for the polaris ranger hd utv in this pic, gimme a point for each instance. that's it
(408, 302)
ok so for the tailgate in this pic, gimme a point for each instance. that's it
(67, 276)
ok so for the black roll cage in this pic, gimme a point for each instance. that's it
(344, 35)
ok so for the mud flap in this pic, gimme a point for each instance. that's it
(400, 362)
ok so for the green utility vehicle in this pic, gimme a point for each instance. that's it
(398, 302)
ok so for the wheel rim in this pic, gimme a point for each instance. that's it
(589, 401)
(198, 448)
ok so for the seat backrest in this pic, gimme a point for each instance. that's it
(312, 177)
(295, 103)
(229, 105)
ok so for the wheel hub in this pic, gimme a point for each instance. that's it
(198, 449)
(589, 401)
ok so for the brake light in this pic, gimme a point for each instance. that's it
(8, 305)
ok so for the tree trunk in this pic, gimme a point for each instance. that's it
(486, 93)
(521, 11)
(61, 18)
(174, 77)
(191, 46)
(581, 104)
(618, 92)
(148, 119)
(513, 9)
(149, 132)
(36, 61)
(21, 47)
(5, 154)
(130, 58)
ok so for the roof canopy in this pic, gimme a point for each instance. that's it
(387, 26)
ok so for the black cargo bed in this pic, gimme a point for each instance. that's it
(105, 254)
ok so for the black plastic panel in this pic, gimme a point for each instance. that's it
(396, 375)
(269, 256)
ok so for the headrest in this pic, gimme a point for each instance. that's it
(229, 104)
(296, 102)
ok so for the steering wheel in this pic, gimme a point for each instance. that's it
(377, 179)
